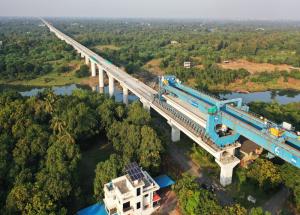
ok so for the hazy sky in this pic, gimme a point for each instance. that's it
(216, 9)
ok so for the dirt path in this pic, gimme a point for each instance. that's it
(276, 202)
(187, 165)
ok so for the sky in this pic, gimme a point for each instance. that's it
(202, 9)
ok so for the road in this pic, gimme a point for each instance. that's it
(276, 203)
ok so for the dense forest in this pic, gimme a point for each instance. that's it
(134, 43)
(42, 139)
(28, 50)
(156, 47)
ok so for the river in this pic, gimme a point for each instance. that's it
(282, 97)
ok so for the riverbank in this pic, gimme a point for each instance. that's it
(245, 85)
(48, 80)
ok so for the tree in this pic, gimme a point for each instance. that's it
(194, 200)
(291, 178)
(83, 71)
(62, 158)
(265, 173)
(138, 115)
(235, 209)
(258, 211)
(105, 171)
(80, 121)
(150, 149)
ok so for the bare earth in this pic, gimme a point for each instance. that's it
(255, 67)
(153, 67)
(291, 84)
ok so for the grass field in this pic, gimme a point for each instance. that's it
(54, 78)
(99, 150)
(254, 67)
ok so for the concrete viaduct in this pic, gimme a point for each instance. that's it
(179, 115)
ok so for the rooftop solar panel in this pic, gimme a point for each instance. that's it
(134, 171)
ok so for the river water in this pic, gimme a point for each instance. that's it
(282, 97)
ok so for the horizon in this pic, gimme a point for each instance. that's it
(267, 10)
(156, 18)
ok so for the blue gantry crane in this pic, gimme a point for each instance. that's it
(228, 119)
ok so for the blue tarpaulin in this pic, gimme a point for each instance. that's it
(164, 181)
(96, 209)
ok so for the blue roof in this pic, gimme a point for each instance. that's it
(96, 209)
(164, 181)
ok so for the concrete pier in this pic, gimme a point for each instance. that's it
(101, 79)
(226, 171)
(87, 60)
(111, 86)
(125, 95)
(175, 134)
(93, 68)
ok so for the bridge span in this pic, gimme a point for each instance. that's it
(179, 115)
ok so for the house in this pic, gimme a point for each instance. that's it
(133, 193)
(173, 42)
(187, 64)
(249, 151)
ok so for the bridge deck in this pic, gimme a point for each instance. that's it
(189, 126)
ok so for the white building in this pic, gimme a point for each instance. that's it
(173, 42)
(187, 64)
(133, 193)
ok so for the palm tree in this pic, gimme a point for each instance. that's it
(58, 125)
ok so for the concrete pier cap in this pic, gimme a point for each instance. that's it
(146, 104)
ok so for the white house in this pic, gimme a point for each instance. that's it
(133, 193)
(187, 64)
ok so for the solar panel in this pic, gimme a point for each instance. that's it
(134, 171)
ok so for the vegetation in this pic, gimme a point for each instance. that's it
(133, 139)
(279, 113)
(42, 139)
(30, 55)
(83, 71)
(195, 200)
(205, 45)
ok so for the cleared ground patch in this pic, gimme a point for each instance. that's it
(255, 67)
(103, 47)
(241, 85)
(153, 67)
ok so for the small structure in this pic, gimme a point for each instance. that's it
(226, 61)
(259, 29)
(249, 151)
(133, 193)
(173, 42)
(187, 64)
(164, 181)
(96, 209)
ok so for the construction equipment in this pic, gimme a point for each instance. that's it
(236, 117)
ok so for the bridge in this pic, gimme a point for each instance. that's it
(180, 115)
